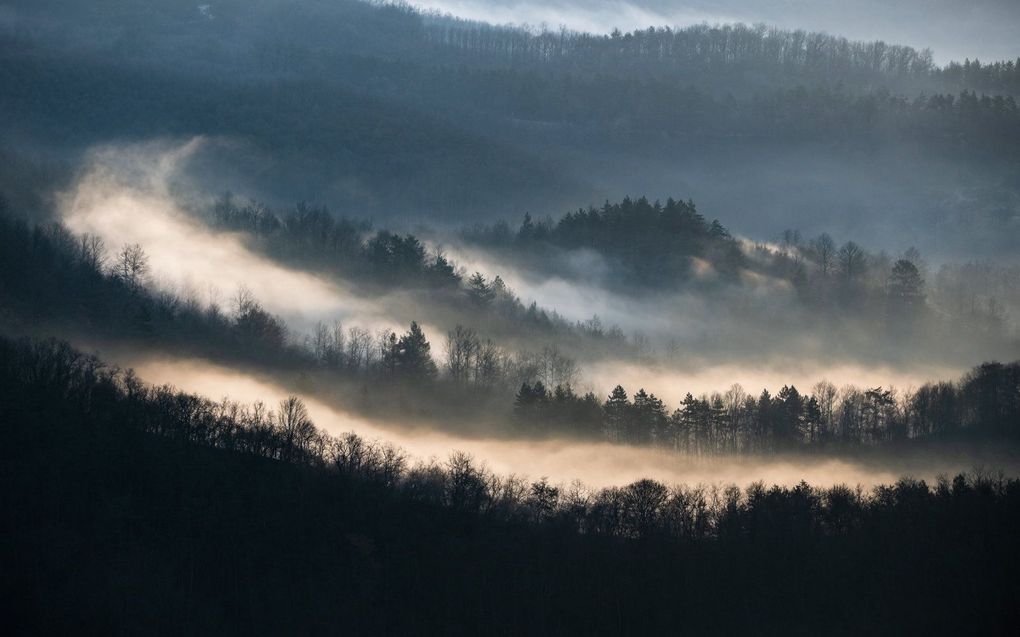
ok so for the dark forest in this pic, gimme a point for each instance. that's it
(489, 317)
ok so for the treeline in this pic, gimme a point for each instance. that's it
(657, 88)
(50, 277)
(652, 247)
(902, 294)
(255, 522)
(984, 404)
(52, 280)
(634, 87)
(48, 377)
(656, 244)
(661, 118)
(386, 111)
(714, 55)
(694, 49)
(996, 77)
(313, 237)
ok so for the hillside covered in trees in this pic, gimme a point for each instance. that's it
(380, 109)
(230, 519)
(57, 281)
(355, 316)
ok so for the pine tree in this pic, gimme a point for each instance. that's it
(617, 411)
(413, 355)
(479, 291)
(904, 295)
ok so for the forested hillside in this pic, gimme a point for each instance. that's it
(131, 508)
(358, 317)
(52, 281)
(380, 109)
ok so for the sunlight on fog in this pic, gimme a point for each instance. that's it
(124, 196)
(572, 299)
(672, 385)
(562, 461)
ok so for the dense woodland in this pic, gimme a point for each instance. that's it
(378, 109)
(53, 281)
(182, 515)
(314, 238)
(984, 404)
(655, 248)
(57, 280)
(650, 248)
(132, 508)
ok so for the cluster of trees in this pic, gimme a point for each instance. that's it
(313, 233)
(965, 123)
(701, 50)
(996, 77)
(656, 244)
(657, 88)
(53, 280)
(909, 300)
(721, 57)
(50, 278)
(984, 404)
(258, 523)
(651, 247)
(313, 237)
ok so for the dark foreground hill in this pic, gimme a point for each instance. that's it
(135, 510)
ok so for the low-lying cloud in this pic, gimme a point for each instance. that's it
(126, 195)
(562, 461)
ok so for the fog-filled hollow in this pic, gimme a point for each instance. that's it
(563, 461)
(141, 194)
(137, 194)
(671, 385)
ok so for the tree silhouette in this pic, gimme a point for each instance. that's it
(131, 264)
(413, 358)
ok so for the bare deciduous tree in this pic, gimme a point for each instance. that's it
(132, 266)
(92, 251)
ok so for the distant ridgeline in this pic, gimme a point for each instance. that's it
(698, 54)
(382, 107)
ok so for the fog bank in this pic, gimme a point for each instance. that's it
(562, 461)
(132, 195)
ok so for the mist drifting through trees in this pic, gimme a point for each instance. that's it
(486, 317)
